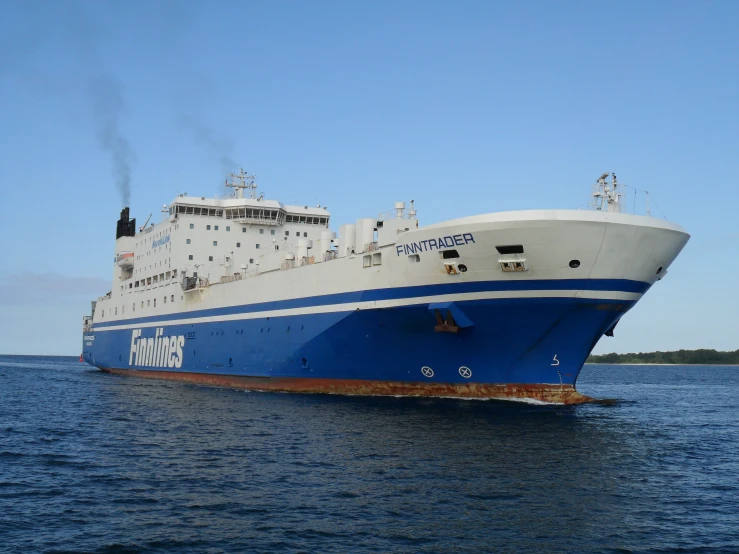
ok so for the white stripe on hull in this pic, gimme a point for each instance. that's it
(382, 304)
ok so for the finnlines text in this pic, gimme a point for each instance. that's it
(434, 244)
(162, 241)
(156, 351)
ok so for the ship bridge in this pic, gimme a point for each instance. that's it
(251, 210)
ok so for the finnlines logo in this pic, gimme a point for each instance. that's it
(161, 242)
(156, 351)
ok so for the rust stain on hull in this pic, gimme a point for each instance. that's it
(543, 393)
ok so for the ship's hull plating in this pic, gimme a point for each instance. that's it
(407, 326)
(509, 347)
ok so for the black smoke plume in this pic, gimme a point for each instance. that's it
(217, 144)
(107, 108)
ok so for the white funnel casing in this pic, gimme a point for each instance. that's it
(326, 238)
(365, 233)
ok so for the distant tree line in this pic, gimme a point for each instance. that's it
(703, 357)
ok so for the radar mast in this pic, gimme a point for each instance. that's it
(606, 196)
(241, 181)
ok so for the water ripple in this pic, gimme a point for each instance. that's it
(96, 463)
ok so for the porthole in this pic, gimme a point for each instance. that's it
(574, 264)
(659, 270)
(462, 268)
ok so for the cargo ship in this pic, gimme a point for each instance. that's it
(244, 292)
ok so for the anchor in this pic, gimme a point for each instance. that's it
(445, 326)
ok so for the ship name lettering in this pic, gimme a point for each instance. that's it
(160, 242)
(434, 244)
(156, 351)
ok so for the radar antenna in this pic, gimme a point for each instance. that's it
(241, 181)
(605, 196)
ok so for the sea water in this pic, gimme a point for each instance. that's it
(92, 462)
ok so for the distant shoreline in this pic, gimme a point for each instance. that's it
(641, 363)
(702, 356)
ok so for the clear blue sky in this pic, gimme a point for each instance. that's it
(466, 107)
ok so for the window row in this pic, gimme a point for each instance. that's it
(154, 279)
(307, 219)
(133, 306)
(255, 213)
(210, 258)
(215, 243)
(195, 210)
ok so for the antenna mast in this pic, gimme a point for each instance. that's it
(605, 195)
(241, 181)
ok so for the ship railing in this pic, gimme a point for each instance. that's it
(230, 278)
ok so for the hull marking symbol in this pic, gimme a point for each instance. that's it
(427, 371)
(465, 372)
(555, 360)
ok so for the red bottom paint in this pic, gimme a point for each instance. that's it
(543, 393)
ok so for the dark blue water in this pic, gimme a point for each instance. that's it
(91, 462)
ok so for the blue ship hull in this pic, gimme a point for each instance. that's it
(464, 347)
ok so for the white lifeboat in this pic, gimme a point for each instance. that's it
(125, 260)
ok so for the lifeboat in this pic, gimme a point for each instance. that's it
(124, 260)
